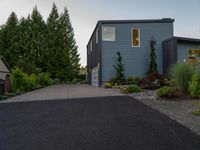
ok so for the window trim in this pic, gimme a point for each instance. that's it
(138, 37)
(97, 36)
(114, 33)
(91, 46)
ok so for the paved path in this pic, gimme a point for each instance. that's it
(104, 123)
(64, 92)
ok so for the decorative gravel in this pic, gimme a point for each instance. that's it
(181, 111)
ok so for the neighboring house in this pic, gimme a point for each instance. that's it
(131, 38)
(4, 76)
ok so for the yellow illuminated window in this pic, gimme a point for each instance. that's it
(194, 56)
(136, 37)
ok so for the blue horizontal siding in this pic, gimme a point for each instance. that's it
(135, 60)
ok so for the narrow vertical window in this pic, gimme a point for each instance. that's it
(136, 37)
(90, 46)
(97, 36)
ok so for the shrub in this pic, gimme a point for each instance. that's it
(108, 85)
(20, 81)
(194, 86)
(33, 82)
(130, 89)
(133, 89)
(113, 81)
(119, 67)
(133, 80)
(182, 73)
(196, 112)
(168, 92)
(44, 79)
(152, 81)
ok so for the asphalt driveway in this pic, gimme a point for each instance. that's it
(64, 91)
(104, 123)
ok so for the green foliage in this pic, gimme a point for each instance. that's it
(9, 40)
(44, 79)
(196, 112)
(108, 85)
(130, 89)
(20, 81)
(153, 64)
(133, 89)
(168, 92)
(32, 43)
(113, 81)
(120, 69)
(182, 73)
(133, 80)
(194, 86)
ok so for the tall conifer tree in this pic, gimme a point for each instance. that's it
(9, 40)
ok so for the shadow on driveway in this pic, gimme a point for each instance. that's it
(104, 123)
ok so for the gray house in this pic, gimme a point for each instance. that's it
(131, 38)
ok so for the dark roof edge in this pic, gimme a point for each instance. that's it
(5, 62)
(184, 39)
(164, 20)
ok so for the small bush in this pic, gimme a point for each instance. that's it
(108, 85)
(113, 81)
(133, 89)
(32, 81)
(20, 80)
(44, 79)
(194, 86)
(168, 92)
(182, 73)
(133, 80)
(130, 89)
(196, 112)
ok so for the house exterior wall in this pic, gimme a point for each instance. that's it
(3, 70)
(135, 59)
(183, 49)
(94, 57)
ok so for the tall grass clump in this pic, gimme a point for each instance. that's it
(182, 73)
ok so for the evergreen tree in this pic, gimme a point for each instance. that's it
(71, 46)
(38, 39)
(52, 43)
(120, 69)
(9, 40)
(152, 64)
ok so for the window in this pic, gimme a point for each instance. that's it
(135, 37)
(108, 33)
(97, 36)
(90, 46)
(194, 56)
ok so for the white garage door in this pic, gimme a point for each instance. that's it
(95, 76)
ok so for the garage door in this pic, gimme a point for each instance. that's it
(95, 76)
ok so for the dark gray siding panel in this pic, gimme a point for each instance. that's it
(183, 49)
(169, 55)
(136, 60)
(94, 57)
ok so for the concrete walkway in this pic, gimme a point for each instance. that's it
(64, 92)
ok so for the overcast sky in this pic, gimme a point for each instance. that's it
(85, 14)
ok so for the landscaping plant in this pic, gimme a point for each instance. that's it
(194, 86)
(108, 85)
(168, 92)
(182, 73)
(120, 69)
(152, 64)
(130, 89)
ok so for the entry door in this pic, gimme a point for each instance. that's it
(95, 76)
